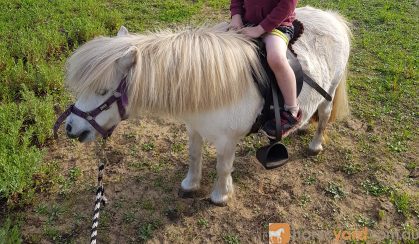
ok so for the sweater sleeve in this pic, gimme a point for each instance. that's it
(280, 13)
(236, 7)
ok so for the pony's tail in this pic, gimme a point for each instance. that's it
(340, 108)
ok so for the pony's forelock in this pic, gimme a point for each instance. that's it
(93, 65)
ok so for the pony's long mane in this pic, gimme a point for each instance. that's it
(176, 72)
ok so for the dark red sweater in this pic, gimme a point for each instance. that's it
(267, 13)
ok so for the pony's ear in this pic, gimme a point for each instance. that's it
(123, 31)
(128, 59)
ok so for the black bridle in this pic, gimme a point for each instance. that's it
(119, 96)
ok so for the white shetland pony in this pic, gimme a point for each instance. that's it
(204, 77)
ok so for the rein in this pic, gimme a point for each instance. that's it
(100, 192)
(119, 96)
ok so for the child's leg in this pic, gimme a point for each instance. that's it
(276, 49)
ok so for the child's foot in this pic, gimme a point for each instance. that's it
(289, 123)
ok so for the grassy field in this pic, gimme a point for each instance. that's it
(367, 175)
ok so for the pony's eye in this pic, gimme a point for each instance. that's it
(102, 92)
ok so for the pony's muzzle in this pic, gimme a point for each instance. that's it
(68, 128)
(81, 137)
(76, 130)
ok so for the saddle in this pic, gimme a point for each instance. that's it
(275, 154)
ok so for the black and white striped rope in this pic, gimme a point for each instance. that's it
(100, 192)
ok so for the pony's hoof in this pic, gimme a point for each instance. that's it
(187, 194)
(219, 200)
(314, 150)
(219, 204)
(313, 153)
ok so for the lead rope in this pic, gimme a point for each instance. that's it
(100, 192)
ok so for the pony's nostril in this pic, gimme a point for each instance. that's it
(68, 128)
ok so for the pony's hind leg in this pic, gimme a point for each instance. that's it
(324, 110)
(193, 179)
(223, 187)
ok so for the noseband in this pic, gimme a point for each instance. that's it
(119, 96)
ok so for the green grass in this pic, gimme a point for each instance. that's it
(146, 230)
(231, 239)
(335, 191)
(365, 222)
(374, 188)
(51, 212)
(148, 205)
(203, 223)
(401, 201)
(128, 217)
(310, 180)
(149, 146)
(24, 128)
(411, 165)
(304, 200)
(38, 36)
(351, 168)
(9, 233)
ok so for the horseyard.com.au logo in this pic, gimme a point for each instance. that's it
(279, 233)
(282, 233)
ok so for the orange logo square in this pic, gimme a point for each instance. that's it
(279, 233)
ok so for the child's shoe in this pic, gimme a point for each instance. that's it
(289, 123)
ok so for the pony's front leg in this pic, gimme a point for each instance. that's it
(223, 187)
(193, 179)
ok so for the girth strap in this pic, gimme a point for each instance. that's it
(317, 87)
